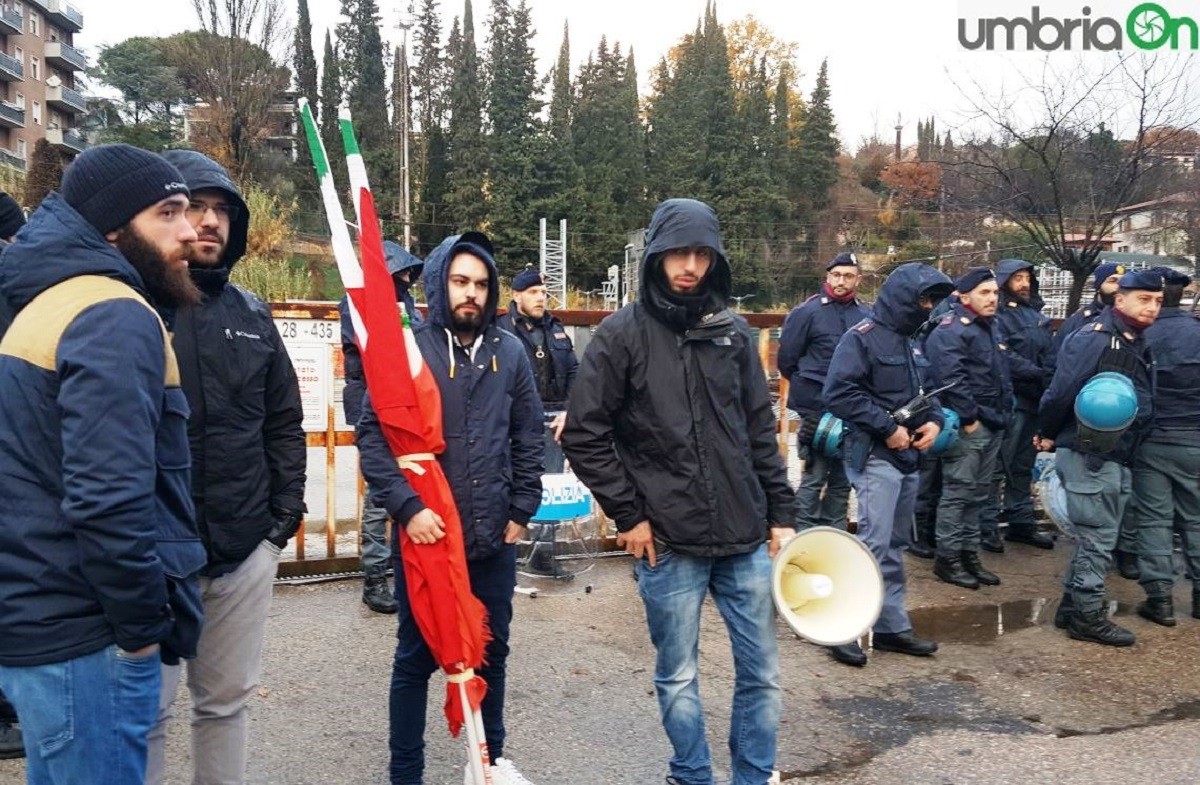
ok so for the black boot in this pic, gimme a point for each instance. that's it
(10, 741)
(950, 569)
(1127, 564)
(1030, 536)
(1095, 627)
(1196, 603)
(376, 593)
(904, 643)
(1158, 608)
(1065, 611)
(971, 563)
(922, 550)
(991, 542)
(848, 654)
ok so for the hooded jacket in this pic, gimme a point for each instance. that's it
(491, 417)
(398, 260)
(97, 541)
(673, 424)
(248, 446)
(1027, 334)
(877, 367)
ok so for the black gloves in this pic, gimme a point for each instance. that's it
(286, 524)
(808, 427)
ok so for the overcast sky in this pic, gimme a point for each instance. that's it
(885, 58)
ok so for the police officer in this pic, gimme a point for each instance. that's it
(1029, 339)
(965, 350)
(810, 334)
(1105, 280)
(876, 369)
(1167, 465)
(1098, 483)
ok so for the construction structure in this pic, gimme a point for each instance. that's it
(552, 256)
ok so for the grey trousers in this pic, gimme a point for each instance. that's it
(814, 508)
(1012, 480)
(1166, 497)
(376, 555)
(1098, 492)
(224, 674)
(886, 497)
(967, 470)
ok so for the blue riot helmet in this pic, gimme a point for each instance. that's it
(949, 433)
(1104, 410)
(827, 438)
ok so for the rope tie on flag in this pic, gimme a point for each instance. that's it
(412, 461)
(462, 677)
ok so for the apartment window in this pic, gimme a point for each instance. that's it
(19, 54)
(37, 112)
(20, 101)
(21, 149)
(35, 68)
(35, 24)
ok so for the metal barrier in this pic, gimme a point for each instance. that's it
(311, 331)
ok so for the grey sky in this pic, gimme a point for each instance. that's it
(885, 58)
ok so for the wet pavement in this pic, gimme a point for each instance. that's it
(1007, 699)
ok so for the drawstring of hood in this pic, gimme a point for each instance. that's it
(472, 350)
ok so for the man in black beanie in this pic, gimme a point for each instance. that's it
(98, 548)
(248, 473)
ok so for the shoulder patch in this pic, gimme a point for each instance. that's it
(947, 319)
(863, 327)
(1097, 327)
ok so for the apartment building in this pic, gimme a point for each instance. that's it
(38, 88)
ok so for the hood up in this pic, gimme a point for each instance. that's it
(437, 269)
(684, 223)
(898, 305)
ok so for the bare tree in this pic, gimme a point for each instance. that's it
(1048, 158)
(233, 66)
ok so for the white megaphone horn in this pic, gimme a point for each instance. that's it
(827, 586)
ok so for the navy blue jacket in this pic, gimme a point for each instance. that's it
(967, 350)
(97, 539)
(670, 420)
(563, 365)
(1084, 316)
(1085, 348)
(1027, 335)
(877, 367)
(491, 417)
(810, 334)
(1174, 339)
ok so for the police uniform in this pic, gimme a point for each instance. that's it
(1166, 490)
(965, 349)
(877, 368)
(1098, 486)
(810, 334)
(1027, 334)
(929, 490)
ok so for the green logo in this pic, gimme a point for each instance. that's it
(1150, 26)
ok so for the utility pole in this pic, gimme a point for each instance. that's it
(405, 24)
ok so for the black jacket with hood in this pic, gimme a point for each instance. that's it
(1027, 334)
(248, 446)
(670, 418)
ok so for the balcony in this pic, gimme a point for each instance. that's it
(11, 22)
(65, 99)
(11, 69)
(8, 157)
(69, 140)
(61, 14)
(11, 115)
(65, 56)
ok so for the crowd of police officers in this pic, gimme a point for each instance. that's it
(1009, 388)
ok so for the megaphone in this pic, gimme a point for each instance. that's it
(827, 586)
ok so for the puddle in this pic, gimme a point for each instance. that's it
(985, 622)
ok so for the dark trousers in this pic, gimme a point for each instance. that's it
(492, 581)
(7, 712)
(929, 495)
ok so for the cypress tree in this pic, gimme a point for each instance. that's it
(466, 159)
(818, 146)
(331, 99)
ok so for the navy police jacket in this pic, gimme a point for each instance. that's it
(967, 350)
(810, 334)
(1028, 336)
(1101, 346)
(877, 367)
(491, 421)
(563, 363)
(1081, 318)
(1175, 340)
(97, 539)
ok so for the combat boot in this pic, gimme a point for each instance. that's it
(376, 593)
(1030, 536)
(1095, 627)
(1158, 608)
(1196, 603)
(971, 563)
(1065, 611)
(11, 745)
(991, 542)
(950, 569)
(1127, 564)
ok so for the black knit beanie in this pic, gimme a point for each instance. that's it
(111, 183)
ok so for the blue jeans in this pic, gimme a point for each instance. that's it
(673, 592)
(86, 719)
(492, 581)
(886, 498)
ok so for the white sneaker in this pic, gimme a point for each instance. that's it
(505, 772)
